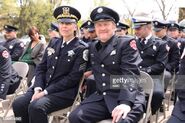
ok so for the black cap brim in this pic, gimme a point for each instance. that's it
(157, 29)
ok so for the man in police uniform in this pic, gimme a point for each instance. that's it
(53, 31)
(160, 30)
(59, 73)
(122, 29)
(111, 55)
(154, 56)
(14, 46)
(9, 79)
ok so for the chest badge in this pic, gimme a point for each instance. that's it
(50, 51)
(71, 53)
(10, 47)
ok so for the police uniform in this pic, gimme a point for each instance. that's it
(58, 75)
(154, 58)
(14, 46)
(9, 79)
(173, 52)
(118, 56)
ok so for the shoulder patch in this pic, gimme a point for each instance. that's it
(5, 54)
(85, 54)
(83, 43)
(22, 44)
(133, 45)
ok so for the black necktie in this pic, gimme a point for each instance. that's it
(142, 41)
(64, 44)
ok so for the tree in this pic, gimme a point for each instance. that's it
(39, 14)
(165, 11)
(9, 12)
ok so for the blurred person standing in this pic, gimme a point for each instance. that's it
(33, 52)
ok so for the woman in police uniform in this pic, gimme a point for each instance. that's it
(58, 74)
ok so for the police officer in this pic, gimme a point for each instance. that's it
(122, 29)
(9, 79)
(178, 113)
(58, 75)
(154, 56)
(53, 31)
(173, 30)
(14, 46)
(160, 30)
(110, 55)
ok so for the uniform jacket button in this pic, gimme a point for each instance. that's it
(104, 93)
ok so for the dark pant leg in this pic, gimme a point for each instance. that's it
(20, 107)
(91, 87)
(90, 112)
(13, 87)
(39, 109)
(158, 96)
(174, 119)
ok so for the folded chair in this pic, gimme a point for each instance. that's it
(63, 114)
(22, 69)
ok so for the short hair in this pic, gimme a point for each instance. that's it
(32, 30)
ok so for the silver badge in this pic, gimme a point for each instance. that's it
(50, 51)
(89, 23)
(85, 54)
(71, 53)
(100, 10)
(113, 52)
(167, 48)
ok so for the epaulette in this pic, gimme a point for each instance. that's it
(83, 43)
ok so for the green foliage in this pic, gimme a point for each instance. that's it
(39, 14)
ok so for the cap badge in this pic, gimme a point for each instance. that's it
(156, 23)
(65, 11)
(100, 10)
(89, 23)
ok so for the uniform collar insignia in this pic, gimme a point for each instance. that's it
(113, 52)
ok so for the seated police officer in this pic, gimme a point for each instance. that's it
(154, 56)
(53, 31)
(110, 55)
(14, 46)
(160, 30)
(9, 79)
(178, 113)
(122, 29)
(58, 75)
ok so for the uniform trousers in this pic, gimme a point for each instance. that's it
(37, 110)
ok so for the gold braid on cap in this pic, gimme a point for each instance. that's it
(66, 14)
